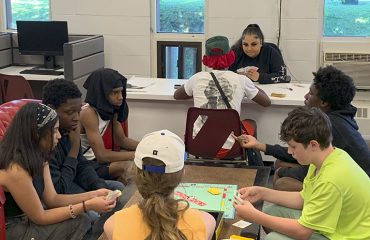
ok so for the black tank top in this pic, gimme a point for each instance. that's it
(11, 208)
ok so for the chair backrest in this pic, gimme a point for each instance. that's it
(14, 87)
(2, 215)
(8, 110)
(220, 123)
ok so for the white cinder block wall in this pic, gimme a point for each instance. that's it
(126, 26)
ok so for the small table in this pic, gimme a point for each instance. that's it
(242, 177)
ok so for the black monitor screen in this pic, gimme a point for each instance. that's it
(42, 38)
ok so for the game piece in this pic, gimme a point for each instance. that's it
(214, 191)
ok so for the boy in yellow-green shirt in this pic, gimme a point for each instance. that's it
(335, 200)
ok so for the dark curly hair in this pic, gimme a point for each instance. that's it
(58, 91)
(334, 87)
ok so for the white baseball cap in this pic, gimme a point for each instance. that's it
(162, 145)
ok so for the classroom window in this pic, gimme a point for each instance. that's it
(346, 18)
(178, 60)
(178, 16)
(36, 10)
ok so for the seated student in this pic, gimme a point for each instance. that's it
(335, 200)
(106, 98)
(159, 161)
(202, 87)
(33, 209)
(264, 61)
(70, 171)
(332, 91)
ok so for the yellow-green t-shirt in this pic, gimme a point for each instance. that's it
(337, 199)
(129, 224)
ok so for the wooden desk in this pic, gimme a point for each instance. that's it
(242, 177)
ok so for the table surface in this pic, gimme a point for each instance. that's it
(242, 177)
(163, 89)
(15, 70)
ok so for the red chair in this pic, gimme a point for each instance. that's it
(2, 215)
(14, 87)
(220, 123)
(8, 110)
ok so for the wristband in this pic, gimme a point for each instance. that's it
(73, 215)
(84, 206)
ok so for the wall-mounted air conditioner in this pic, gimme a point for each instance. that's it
(351, 57)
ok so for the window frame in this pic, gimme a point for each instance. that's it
(180, 37)
(161, 56)
(5, 11)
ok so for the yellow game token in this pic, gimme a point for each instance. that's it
(214, 191)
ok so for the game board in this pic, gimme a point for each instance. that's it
(200, 197)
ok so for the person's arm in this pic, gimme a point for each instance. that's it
(283, 198)
(109, 227)
(62, 167)
(261, 98)
(89, 120)
(287, 226)
(120, 137)
(19, 183)
(278, 69)
(180, 93)
(279, 152)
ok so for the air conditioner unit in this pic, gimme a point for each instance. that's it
(351, 57)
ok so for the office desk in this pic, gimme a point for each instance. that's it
(153, 108)
(36, 81)
(242, 177)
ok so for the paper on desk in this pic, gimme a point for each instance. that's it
(139, 83)
(242, 224)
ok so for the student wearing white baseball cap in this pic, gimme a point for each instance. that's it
(159, 161)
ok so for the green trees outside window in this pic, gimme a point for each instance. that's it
(346, 18)
(37, 10)
(180, 16)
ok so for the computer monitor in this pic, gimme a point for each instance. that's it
(42, 38)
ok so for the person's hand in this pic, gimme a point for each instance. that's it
(247, 141)
(251, 194)
(245, 210)
(253, 75)
(100, 204)
(101, 192)
(74, 137)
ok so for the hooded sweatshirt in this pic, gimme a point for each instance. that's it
(345, 136)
